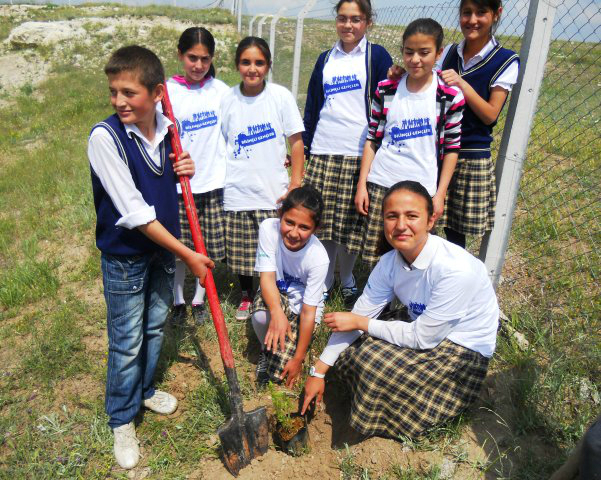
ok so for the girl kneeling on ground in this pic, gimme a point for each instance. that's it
(407, 377)
(293, 265)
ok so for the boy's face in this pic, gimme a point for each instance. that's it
(132, 101)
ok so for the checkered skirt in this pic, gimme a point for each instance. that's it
(399, 391)
(471, 198)
(276, 361)
(241, 239)
(374, 225)
(336, 177)
(209, 208)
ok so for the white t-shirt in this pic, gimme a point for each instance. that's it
(342, 125)
(300, 275)
(448, 295)
(255, 131)
(196, 110)
(408, 149)
(506, 80)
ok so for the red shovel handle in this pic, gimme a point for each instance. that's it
(199, 246)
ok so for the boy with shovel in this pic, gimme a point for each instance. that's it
(135, 196)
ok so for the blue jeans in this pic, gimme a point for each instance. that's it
(139, 292)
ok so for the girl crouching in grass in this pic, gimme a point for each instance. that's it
(293, 265)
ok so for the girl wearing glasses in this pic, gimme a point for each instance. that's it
(342, 85)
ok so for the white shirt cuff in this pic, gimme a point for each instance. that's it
(338, 342)
(139, 217)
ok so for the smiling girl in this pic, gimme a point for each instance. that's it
(195, 97)
(342, 85)
(258, 118)
(485, 72)
(293, 265)
(414, 132)
(408, 376)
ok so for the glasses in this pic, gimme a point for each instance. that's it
(341, 19)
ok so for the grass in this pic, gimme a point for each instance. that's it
(52, 421)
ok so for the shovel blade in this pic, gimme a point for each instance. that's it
(244, 438)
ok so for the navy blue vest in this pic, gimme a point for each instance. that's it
(475, 136)
(157, 185)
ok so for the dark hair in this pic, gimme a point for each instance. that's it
(383, 246)
(138, 60)
(493, 5)
(307, 197)
(364, 6)
(194, 36)
(249, 42)
(425, 26)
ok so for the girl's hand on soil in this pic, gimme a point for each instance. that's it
(438, 203)
(292, 370)
(452, 78)
(198, 265)
(279, 327)
(362, 199)
(184, 166)
(314, 389)
(395, 73)
(345, 321)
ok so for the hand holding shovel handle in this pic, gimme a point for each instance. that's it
(245, 435)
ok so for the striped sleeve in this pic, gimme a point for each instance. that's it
(375, 118)
(453, 117)
(379, 109)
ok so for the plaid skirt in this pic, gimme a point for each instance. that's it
(471, 198)
(336, 177)
(276, 361)
(374, 225)
(399, 391)
(241, 239)
(209, 208)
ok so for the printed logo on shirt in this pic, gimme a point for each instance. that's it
(340, 84)
(258, 133)
(262, 254)
(284, 284)
(412, 128)
(198, 121)
(417, 308)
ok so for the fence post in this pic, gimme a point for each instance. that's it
(298, 44)
(260, 25)
(233, 7)
(514, 143)
(250, 24)
(239, 3)
(274, 21)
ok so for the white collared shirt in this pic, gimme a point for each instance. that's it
(115, 176)
(506, 80)
(342, 125)
(447, 293)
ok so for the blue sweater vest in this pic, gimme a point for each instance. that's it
(476, 137)
(157, 185)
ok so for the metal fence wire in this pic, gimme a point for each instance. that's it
(552, 266)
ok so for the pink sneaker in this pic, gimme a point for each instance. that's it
(243, 312)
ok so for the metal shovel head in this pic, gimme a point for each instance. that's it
(244, 438)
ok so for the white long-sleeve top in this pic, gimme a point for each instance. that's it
(115, 176)
(448, 295)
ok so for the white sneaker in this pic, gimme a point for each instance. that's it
(127, 451)
(243, 312)
(161, 402)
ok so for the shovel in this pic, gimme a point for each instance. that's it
(245, 435)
